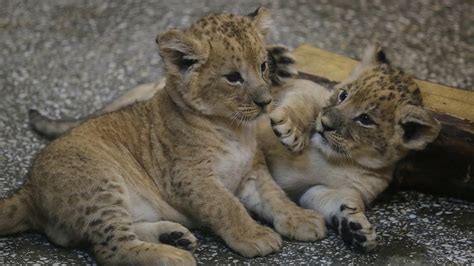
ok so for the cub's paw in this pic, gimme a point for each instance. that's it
(302, 225)
(354, 228)
(175, 235)
(281, 64)
(253, 242)
(284, 128)
(168, 255)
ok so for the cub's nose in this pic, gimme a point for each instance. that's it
(325, 126)
(263, 102)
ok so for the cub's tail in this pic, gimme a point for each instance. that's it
(282, 64)
(50, 128)
(15, 213)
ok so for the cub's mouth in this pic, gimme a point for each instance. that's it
(317, 134)
(325, 143)
(248, 113)
(321, 135)
(246, 117)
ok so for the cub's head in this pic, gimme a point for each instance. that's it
(376, 116)
(218, 66)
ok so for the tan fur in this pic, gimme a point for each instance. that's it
(127, 182)
(340, 164)
(340, 180)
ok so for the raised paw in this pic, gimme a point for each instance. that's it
(302, 225)
(354, 228)
(283, 127)
(281, 63)
(252, 242)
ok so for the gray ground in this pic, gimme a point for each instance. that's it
(67, 58)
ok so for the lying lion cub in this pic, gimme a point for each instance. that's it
(346, 143)
(128, 182)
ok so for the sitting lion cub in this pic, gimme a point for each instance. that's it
(347, 143)
(127, 182)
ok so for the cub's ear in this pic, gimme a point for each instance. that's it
(180, 52)
(417, 127)
(262, 19)
(373, 56)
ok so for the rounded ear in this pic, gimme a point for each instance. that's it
(417, 127)
(373, 56)
(262, 19)
(180, 51)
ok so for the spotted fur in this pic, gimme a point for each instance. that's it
(348, 142)
(127, 182)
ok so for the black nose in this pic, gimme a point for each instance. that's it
(263, 103)
(326, 127)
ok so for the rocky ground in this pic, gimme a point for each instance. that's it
(68, 58)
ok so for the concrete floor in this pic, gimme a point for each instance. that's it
(67, 58)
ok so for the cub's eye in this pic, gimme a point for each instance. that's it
(263, 67)
(342, 96)
(234, 77)
(365, 120)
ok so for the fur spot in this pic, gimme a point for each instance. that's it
(96, 222)
(126, 238)
(109, 228)
(12, 211)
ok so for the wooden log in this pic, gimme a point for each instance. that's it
(446, 166)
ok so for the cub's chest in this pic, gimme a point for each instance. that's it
(234, 162)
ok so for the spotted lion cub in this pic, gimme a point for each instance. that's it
(345, 144)
(128, 182)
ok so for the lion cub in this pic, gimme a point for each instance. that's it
(126, 183)
(345, 144)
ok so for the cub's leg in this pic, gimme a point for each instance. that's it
(261, 194)
(107, 227)
(166, 232)
(343, 209)
(210, 203)
(80, 195)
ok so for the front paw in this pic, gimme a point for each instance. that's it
(171, 256)
(253, 242)
(283, 127)
(302, 225)
(354, 228)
